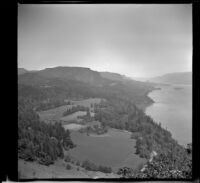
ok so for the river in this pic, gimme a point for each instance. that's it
(173, 109)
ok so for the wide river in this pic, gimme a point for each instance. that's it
(173, 109)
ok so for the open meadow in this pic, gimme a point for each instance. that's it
(57, 113)
(115, 149)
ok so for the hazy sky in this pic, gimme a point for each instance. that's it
(135, 40)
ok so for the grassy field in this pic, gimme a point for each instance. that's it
(57, 113)
(114, 149)
(73, 126)
(73, 116)
(33, 170)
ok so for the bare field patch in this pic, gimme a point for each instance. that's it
(73, 116)
(73, 126)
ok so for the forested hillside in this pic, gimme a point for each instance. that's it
(113, 76)
(60, 83)
(38, 141)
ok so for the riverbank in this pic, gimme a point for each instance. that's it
(148, 101)
(173, 109)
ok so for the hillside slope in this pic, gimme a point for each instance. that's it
(58, 170)
(21, 71)
(113, 76)
(81, 74)
(76, 81)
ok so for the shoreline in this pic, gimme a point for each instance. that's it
(167, 126)
(147, 100)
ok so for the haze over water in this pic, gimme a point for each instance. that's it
(173, 109)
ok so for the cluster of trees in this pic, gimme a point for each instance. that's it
(76, 109)
(38, 141)
(86, 118)
(88, 165)
(153, 137)
(173, 164)
(96, 106)
(69, 102)
(42, 98)
(93, 167)
(95, 129)
(49, 104)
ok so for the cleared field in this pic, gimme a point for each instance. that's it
(53, 114)
(87, 102)
(73, 126)
(57, 113)
(114, 149)
(73, 116)
(93, 123)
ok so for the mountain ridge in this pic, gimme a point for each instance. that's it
(174, 78)
(86, 82)
(169, 78)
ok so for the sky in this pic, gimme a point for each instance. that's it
(136, 40)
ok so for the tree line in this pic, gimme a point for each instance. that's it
(74, 109)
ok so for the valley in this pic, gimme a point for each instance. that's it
(76, 125)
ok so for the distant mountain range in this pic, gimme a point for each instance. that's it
(174, 78)
(93, 77)
(170, 78)
(81, 74)
(77, 73)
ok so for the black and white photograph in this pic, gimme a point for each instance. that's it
(104, 91)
